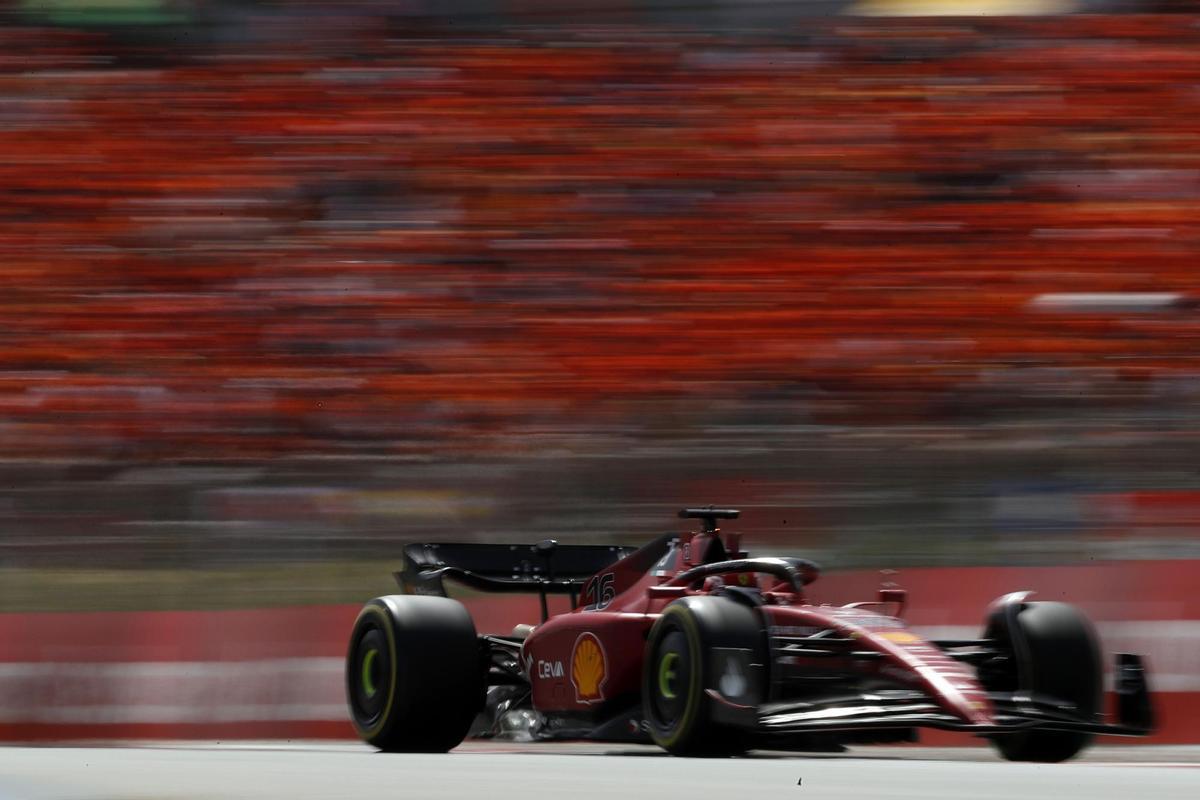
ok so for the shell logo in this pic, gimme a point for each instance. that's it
(589, 669)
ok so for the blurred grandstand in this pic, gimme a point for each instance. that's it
(300, 281)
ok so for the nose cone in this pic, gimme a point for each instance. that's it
(960, 694)
(953, 685)
(911, 660)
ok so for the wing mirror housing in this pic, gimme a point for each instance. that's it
(891, 594)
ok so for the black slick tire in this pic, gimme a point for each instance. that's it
(414, 680)
(679, 667)
(1056, 654)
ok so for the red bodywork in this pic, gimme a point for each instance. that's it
(592, 656)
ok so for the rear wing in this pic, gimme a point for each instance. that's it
(546, 567)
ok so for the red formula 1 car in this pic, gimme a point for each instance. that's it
(692, 644)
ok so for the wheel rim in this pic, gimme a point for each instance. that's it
(370, 672)
(667, 675)
(370, 675)
(672, 679)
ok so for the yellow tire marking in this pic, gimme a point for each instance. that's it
(386, 623)
(692, 706)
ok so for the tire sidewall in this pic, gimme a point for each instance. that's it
(708, 623)
(675, 617)
(375, 615)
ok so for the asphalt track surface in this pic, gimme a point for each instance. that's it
(481, 771)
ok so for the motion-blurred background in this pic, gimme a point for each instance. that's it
(287, 284)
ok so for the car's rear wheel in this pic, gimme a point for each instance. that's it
(414, 680)
(1054, 653)
(681, 663)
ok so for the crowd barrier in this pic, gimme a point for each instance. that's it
(277, 673)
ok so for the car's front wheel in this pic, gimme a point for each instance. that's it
(1054, 654)
(700, 643)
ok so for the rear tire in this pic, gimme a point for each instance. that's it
(414, 680)
(1056, 654)
(678, 668)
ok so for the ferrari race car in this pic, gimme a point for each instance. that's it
(690, 643)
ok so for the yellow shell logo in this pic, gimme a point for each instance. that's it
(589, 669)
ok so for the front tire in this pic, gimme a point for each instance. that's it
(679, 667)
(414, 681)
(1056, 654)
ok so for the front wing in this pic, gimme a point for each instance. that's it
(902, 708)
